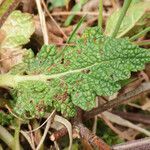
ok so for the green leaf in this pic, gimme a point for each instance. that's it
(18, 28)
(94, 66)
(134, 15)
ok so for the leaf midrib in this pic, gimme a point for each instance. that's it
(12, 80)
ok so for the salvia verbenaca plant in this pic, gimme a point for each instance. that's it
(93, 66)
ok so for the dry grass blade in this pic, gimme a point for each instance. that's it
(46, 129)
(68, 125)
(31, 135)
(42, 21)
(40, 125)
(45, 7)
(28, 139)
(80, 13)
(142, 144)
(118, 120)
(113, 128)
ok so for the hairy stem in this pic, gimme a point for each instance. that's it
(16, 137)
(123, 13)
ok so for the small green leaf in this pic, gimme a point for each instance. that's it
(134, 14)
(18, 28)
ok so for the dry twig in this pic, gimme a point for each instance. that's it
(120, 121)
(134, 117)
(45, 7)
(91, 138)
(113, 128)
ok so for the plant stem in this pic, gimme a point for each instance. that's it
(76, 28)
(123, 13)
(6, 137)
(140, 34)
(100, 16)
(16, 137)
(72, 34)
(7, 80)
